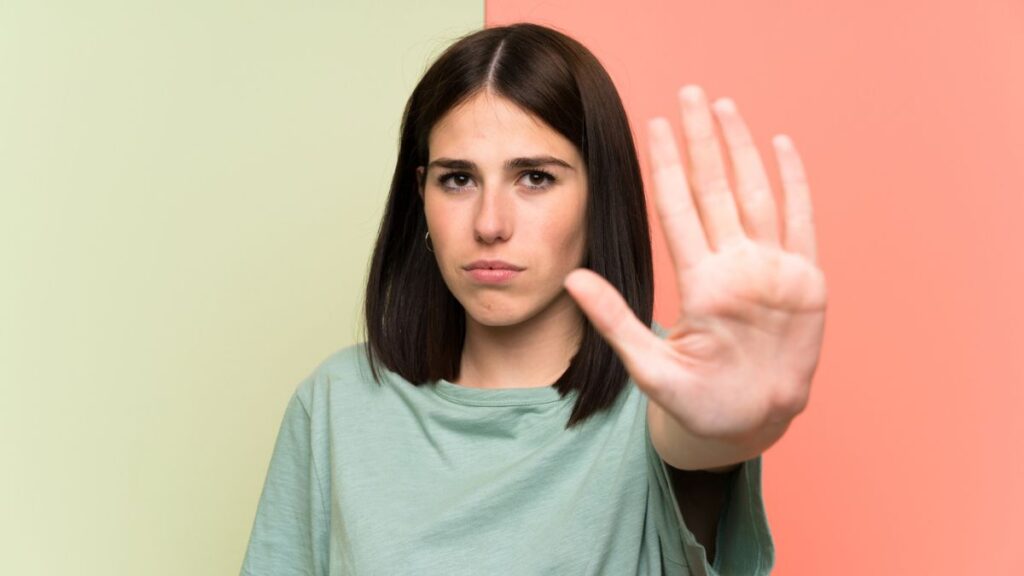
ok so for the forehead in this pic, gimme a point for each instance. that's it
(488, 124)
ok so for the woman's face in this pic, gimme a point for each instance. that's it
(502, 185)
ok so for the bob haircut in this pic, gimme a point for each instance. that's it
(414, 325)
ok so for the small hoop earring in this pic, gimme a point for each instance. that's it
(426, 240)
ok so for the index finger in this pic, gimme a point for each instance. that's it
(680, 221)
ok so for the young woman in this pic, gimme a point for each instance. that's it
(514, 409)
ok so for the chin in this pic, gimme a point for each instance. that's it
(495, 318)
(506, 313)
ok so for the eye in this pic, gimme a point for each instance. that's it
(539, 179)
(460, 179)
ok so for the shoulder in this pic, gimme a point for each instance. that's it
(346, 363)
(345, 371)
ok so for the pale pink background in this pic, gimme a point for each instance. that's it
(909, 119)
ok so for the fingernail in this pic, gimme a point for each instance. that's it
(782, 141)
(691, 93)
(657, 125)
(725, 105)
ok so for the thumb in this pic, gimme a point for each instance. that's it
(614, 320)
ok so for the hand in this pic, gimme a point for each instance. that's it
(740, 358)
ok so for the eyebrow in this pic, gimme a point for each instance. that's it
(513, 164)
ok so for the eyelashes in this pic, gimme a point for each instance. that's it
(446, 180)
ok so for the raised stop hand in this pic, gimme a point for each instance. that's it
(737, 364)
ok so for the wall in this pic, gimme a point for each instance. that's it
(908, 119)
(188, 196)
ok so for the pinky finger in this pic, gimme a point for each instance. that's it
(800, 236)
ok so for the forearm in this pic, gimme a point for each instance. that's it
(684, 450)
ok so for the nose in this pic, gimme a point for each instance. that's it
(494, 216)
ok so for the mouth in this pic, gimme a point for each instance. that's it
(493, 265)
(492, 272)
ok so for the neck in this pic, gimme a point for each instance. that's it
(533, 353)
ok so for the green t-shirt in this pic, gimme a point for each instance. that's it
(450, 480)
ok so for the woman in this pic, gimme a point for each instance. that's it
(514, 410)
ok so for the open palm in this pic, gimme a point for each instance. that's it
(741, 356)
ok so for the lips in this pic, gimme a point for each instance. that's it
(492, 265)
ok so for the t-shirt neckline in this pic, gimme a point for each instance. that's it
(497, 396)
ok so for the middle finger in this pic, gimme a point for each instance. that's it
(714, 196)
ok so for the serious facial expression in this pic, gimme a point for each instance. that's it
(501, 185)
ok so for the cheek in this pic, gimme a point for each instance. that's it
(440, 223)
(567, 238)
(448, 240)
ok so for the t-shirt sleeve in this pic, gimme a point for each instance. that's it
(290, 532)
(743, 544)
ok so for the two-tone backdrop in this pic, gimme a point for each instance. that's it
(189, 192)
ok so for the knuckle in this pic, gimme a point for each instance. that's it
(716, 184)
(719, 181)
(743, 145)
(757, 197)
(790, 400)
(702, 134)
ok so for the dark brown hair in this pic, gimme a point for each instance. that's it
(414, 325)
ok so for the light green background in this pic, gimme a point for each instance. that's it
(189, 192)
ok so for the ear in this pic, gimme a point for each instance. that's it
(419, 180)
